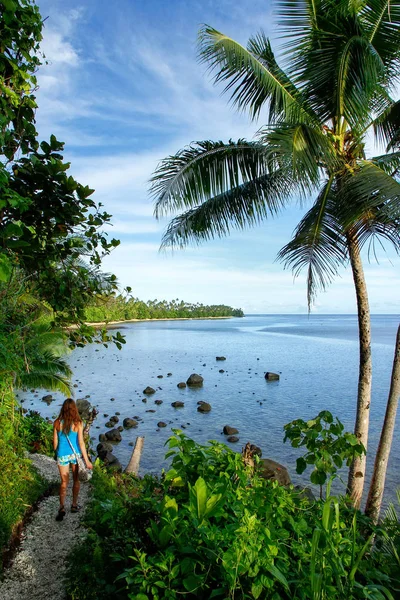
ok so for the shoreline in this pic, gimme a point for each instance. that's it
(111, 323)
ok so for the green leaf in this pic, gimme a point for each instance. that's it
(5, 268)
(301, 465)
(198, 498)
(318, 477)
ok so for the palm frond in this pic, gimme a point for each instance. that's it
(253, 76)
(204, 170)
(389, 163)
(381, 21)
(387, 126)
(241, 207)
(303, 150)
(318, 244)
(53, 383)
(368, 190)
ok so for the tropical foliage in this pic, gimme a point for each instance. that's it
(122, 307)
(211, 528)
(334, 90)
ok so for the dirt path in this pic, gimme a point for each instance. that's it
(38, 569)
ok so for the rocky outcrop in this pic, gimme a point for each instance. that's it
(270, 469)
(195, 380)
(228, 430)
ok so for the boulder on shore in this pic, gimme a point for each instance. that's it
(228, 430)
(103, 448)
(270, 469)
(128, 423)
(149, 390)
(112, 462)
(204, 407)
(177, 404)
(195, 380)
(271, 376)
(113, 436)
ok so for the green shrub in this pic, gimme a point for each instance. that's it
(36, 433)
(210, 528)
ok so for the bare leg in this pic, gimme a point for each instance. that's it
(64, 474)
(76, 485)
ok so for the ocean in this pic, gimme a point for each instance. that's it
(316, 357)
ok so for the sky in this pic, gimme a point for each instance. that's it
(123, 89)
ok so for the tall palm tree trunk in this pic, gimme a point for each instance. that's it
(356, 479)
(377, 486)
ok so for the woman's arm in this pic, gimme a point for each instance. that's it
(55, 435)
(83, 447)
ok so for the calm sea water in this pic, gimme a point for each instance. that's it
(317, 358)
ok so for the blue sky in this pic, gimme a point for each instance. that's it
(123, 89)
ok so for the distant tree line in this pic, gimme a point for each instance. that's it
(120, 308)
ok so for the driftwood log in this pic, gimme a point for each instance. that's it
(133, 465)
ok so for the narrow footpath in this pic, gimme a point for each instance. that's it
(38, 569)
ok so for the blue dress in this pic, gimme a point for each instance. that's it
(65, 455)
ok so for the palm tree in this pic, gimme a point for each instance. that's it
(43, 365)
(341, 64)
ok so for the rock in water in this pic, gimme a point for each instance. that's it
(103, 448)
(228, 430)
(195, 380)
(220, 358)
(271, 376)
(161, 424)
(270, 469)
(84, 408)
(232, 439)
(177, 404)
(204, 407)
(48, 398)
(128, 423)
(181, 385)
(113, 436)
(149, 390)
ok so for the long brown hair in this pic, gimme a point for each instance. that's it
(69, 415)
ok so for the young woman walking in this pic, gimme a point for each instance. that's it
(68, 441)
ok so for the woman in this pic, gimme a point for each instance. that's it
(67, 432)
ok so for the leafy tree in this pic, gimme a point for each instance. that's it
(341, 65)
(47, 218)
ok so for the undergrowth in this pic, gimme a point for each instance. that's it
(210, 528)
